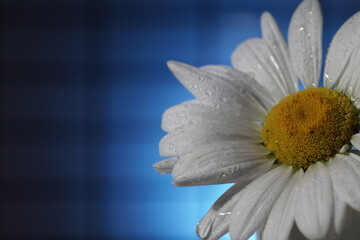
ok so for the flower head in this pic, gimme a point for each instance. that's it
(292, 155)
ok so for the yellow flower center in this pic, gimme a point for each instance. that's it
(309, 126)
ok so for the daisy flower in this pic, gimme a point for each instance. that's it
(293, 155)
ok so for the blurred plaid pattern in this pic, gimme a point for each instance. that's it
(83, 87)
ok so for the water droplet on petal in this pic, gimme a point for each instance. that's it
(224, 213)
(209, 93)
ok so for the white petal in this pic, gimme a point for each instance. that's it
(314, 205)
(342, 60)
(165, 166)
(255, 90)
(195, 112)
(256, 202)
(214, 90)
(281, 218)
(223, 162)
(274, 38)
(355, 140)
(187, 137)
(345, 175)
(305, 42)
(216, 221)
(256, 57)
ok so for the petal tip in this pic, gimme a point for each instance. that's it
(158, 167)
(265, 16)
(169, 63)
(175, 65)
(202, 230)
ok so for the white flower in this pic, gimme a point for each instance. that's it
(293, 155)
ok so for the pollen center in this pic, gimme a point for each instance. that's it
(309, 126)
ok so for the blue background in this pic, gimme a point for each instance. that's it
(83, 88)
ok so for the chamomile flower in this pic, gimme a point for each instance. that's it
(293, 154)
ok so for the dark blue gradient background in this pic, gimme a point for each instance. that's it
(83, 88)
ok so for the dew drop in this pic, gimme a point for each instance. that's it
(251, 75)
(209, 93)
(180, 114)
(224, 213)
(301, 29)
